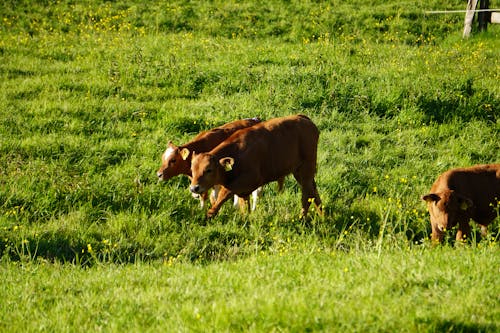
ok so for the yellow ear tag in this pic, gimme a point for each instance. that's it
(463, 206)
(228, 166)
(184, 153)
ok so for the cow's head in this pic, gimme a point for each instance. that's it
(207, 171)
(446, 209)
(174, 162)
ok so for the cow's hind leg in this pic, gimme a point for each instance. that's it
(309, 193)
(312, 196)
(317, 200)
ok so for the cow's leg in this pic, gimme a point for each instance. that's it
(223, 196)
(244, 203)
(255, 196)
(484, 230)
(437, 234)
(463, 233)
(309, 192)
(310, 195)
(214, 194)
(280, 182)
(317, 200)
(203, 197)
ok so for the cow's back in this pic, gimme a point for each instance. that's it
(208, 140)
(479, 178)
(293, 140)
(480, 183)
(274, 148)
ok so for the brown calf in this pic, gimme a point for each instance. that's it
(461, 194)
(257, 155)
(176, 160)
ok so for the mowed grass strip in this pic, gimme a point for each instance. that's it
(406, 291)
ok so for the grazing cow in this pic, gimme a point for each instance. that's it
(176, 160)
(257, 155)
(462, 194)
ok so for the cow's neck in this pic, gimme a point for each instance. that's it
(202, 145)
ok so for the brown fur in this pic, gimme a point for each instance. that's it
(461, 194)
(174, 164)
(254, 156)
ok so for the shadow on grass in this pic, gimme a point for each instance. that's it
(67, 248)
(369, 224)
(458, 326)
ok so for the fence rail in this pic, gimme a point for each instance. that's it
(461, 11)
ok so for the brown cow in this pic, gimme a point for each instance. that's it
(257, 155)
(176, 160)
(461, 194)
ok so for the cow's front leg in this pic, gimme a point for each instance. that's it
(223, 195)
(437, 235)
(484, 230)
(244, 204)
(203, 197)
(463, 232)
(214, 194)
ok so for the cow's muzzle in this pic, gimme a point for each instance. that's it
(195, 189)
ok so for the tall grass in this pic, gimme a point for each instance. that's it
(92, 93)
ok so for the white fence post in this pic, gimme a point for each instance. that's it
(469, 16)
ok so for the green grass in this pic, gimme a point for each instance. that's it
(90, 94)
(306, 290)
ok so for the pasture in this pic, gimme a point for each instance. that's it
(91, 92)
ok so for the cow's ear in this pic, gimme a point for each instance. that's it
(185, 153)
(227, 163)
(465, 203)
(431, 197)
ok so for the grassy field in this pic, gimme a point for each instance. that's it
(91, 92)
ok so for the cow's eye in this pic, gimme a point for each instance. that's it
(172, 161)
(208, 170)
